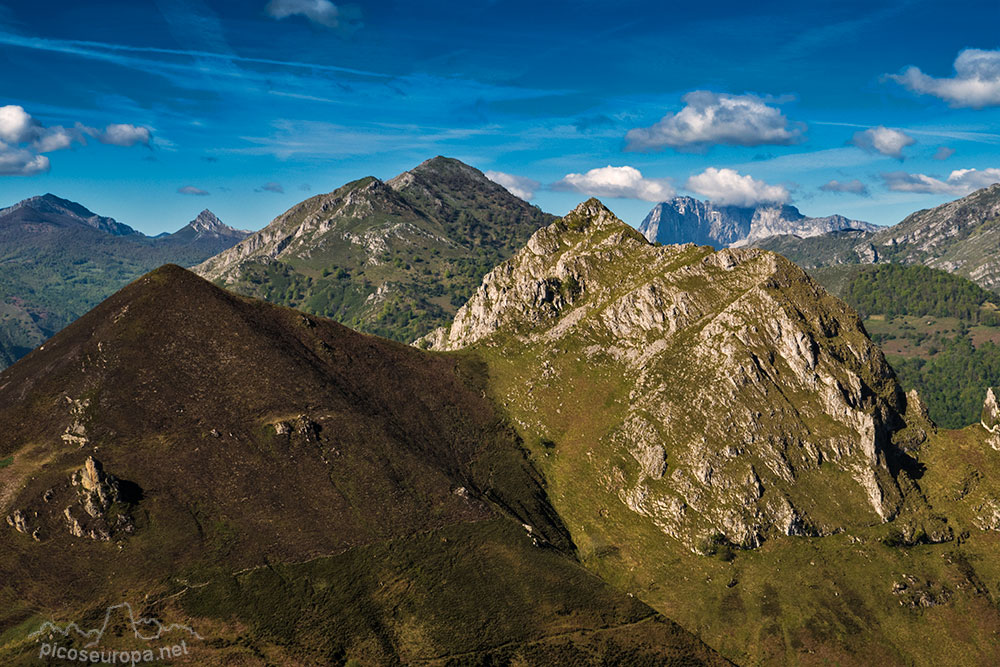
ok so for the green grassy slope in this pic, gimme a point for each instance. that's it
(395, 259)
(299, 494)
(917, 588)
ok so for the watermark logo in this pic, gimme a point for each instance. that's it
(153, 640)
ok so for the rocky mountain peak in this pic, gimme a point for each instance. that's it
(206, 221)
(741, 331)
(52, 209)
(591, 214)
(689, 220)
(208, 225)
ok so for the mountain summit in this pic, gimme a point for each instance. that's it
(689, 220)
(741, 394)
(208, 233)
(207, 224)
(394, 258)
(53, 211)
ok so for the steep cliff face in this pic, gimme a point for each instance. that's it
(739, 401)
(688, 220)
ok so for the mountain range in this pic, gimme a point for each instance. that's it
(61, 259)
(608, 435)
(394, 258)
(960, 237)
(689, 220)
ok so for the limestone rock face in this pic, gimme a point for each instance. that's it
(750, 403)
(688, 220)
(76, 432)
(991, 418)
(99, 510)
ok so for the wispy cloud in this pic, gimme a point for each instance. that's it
(519, 186)
(320, 12)
(107, 52)
(272, 186)
(317, 139)
(959, 182)
(854, 187)
(192, 190)
(943, 153)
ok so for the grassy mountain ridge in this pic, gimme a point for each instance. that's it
(395, 258)
(259, 473)
(683, 419)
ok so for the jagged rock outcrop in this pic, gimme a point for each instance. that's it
(23, 521)
(754, 403)
(98, 511)
(689, 220)
(990, 418)
(76, 432)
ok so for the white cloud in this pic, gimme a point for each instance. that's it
(716, 118)
(943, 153)
(123, 134)
(16, 125)
(625, 182)
(519, 186)
(277, 188)
(729, 188)
(976, 82)
(23, 139)
(20, 162)
(323, 12)
(959, 182)
(855, 187)
(192, 190)
(56, 139)
(883, 140)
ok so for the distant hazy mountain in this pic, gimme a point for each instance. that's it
(961, 237)
(60, 259)
(689, 220)
(207, 233)
(394, 258)
(54, 211)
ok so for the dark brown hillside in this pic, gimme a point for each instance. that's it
(267, 475)
(188, 390)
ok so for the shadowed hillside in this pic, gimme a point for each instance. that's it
(264, 475)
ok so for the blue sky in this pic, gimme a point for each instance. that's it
(152, 111)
